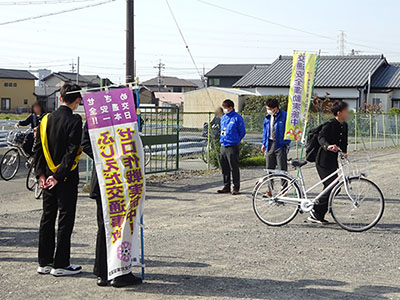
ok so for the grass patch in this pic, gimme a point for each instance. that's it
(13, 116)
(254, 161)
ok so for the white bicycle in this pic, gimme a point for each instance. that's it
(355, 203)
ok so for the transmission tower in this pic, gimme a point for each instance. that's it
(342, 42)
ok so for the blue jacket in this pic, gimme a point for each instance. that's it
(232, 129)
(279, 125)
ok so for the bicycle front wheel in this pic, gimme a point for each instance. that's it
(9, 164)
(38, 191)
(360, 207)
(31, 178)
(267, 205)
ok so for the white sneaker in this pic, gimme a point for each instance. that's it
(70, 270)
(44, 270)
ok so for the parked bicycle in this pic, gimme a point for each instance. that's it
(356, 203)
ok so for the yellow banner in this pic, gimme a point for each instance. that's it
(300, 93)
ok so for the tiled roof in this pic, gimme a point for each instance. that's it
(230, 70)
(386, 77)
(16, 74)
(169, 81)
(333, 71)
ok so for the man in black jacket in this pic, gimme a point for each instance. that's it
(100, 263)
(57, 154)
(332, 137)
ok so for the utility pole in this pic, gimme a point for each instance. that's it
(130, 42)
(342, 41)
(72, 66)
(160, 66)
(77, 72)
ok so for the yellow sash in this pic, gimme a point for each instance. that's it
(45, 147)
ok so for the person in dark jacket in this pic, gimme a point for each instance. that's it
(274, 144)
(332, 138)
(100, 263)
(33, 120)
(57, 153)
(232, 132)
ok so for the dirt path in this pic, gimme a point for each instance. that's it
(200, 245)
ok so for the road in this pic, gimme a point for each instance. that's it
(200, 245)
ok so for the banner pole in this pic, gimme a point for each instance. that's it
(303, 138)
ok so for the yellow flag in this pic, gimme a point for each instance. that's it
(300, 93)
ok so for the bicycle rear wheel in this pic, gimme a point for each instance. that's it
(266, 204)
(31, 178)
(360, 208)
(38, 191)
(9, 164)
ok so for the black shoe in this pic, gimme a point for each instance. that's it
(126, 280)
(224, 191)
(102, 281)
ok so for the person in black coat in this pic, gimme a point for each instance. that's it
(100, 263)
(332, 138)
(37, 112)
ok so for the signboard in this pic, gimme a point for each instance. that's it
(119, 161)
(300, 93)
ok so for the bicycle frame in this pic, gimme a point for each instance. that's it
(305, 203)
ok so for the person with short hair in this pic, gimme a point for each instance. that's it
(57, 153)
(332, 138)
(232, 132)
(274, 144)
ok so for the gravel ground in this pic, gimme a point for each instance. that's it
(200, 245)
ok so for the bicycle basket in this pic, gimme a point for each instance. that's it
(357, 164)
(16, 138)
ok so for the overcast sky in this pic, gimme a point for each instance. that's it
(214, 35)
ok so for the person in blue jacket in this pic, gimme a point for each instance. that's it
(232, 133)
(274, 144)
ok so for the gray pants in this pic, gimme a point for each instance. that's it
(276, 157)
(230, 164)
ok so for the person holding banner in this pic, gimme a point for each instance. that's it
(274, 145)
(100, 263)
(57, 154)
(232, 132)
(332, 137)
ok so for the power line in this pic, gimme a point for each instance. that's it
(12, 3)
(56, 13)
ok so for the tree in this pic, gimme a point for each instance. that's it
(256, 104)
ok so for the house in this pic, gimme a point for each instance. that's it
(169, 99)
(47, 92)
(17, 89)
(170, 84)
(225, 75)
(356, 79)
(206, 100)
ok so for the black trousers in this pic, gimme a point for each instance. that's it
(230, 165)
(62, 200)
(276, 157)
(100, 263)
(321, 207)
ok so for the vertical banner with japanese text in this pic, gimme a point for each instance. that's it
(119, 161)
(300, 94)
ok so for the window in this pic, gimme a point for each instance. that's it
(396, 103)
(5, 84)
(376, 101)
(10, 84)
(25, 101)
(177, 89)
(14, 84)
(5, 103)
(216, 81)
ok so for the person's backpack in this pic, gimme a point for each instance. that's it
(312, 144)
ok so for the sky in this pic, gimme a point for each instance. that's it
(258, 32)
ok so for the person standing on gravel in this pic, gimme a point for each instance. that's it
(57, 154)
(332, 137)
(232, 132)
(274, 144)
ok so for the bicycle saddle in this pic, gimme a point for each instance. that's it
(298, 163)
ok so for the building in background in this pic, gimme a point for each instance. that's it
(47, 92)
(170, 99)
(225, 75)
(207, 100)
(17, 89)
(356, 79)
(170, 84)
